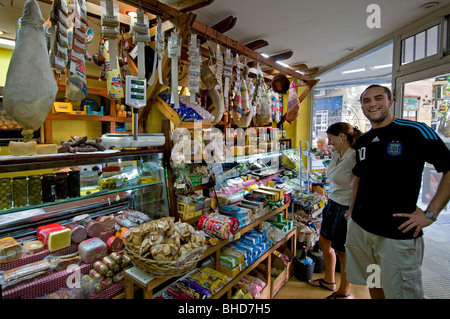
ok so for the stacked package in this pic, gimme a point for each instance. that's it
(202, 283)
(240, 254)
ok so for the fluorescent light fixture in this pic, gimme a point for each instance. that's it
(7, 42)
(265, 55)
(354, 71)
(383, 66)
(283, 64)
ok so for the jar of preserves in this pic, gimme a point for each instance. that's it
(19, 191)
(5, 193)
(48, 188)
(73, 184)
(34, 190)
(61, 185)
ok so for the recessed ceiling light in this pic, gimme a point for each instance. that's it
(282, 64)
(2, 32)
(265, 55)
(131, 14)
(7, 42)
(429, 5)
(353, 71)
(376, 67)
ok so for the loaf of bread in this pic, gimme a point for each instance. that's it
(10, 250)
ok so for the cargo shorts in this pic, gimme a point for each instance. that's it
(379, 262)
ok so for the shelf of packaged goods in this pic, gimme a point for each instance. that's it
(150, 286)
(267, 255)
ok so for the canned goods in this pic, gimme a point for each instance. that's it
(100, 267)
(5, 193)
(73, 184)
(48, 188)
(19, 191)
(94, 274)
(61, 185)
(34, 190)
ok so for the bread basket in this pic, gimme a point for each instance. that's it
(160, 268)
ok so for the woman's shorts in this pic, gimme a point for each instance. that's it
(334, 224)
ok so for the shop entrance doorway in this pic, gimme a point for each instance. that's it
(425, 97)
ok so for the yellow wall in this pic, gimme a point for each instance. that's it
(63, 129)
(5, 56)
(300, 128)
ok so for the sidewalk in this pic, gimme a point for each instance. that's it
(436, 263)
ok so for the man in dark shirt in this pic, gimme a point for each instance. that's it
(384, 239)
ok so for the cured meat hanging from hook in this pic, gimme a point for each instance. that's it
(30, 87)
(76, 87)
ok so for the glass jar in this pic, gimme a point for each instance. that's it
(5, 193)
(73, 184)
(34, 190)
(61, 185)
(48, 188)
(19, 191)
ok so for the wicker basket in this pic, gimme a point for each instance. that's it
(159, 268)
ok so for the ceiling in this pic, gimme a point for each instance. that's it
(318, 32)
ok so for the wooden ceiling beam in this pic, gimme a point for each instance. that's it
(167, 12)
(257, 44)
(225, 25)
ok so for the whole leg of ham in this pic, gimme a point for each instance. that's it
(30, 87)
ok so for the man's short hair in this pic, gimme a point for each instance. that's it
(386, 90)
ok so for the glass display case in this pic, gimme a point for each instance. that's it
(40, 189)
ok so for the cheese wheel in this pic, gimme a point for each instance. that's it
(22, 148)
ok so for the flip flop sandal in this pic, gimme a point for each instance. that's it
(335, 295)
(321, 283)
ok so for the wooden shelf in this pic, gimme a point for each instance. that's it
(111, 118)
(267, 254)
(101, 118)
(216, 249)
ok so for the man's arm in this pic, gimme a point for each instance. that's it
(418, 219)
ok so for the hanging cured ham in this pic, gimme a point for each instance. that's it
(30, 86)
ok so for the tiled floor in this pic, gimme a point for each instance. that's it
(436, 263)
(435, 269)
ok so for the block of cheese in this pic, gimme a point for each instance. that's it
(10, 250)
(46, 149)
(22, 148)
(54, 236)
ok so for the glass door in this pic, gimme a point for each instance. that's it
(426, 98)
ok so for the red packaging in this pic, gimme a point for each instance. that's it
(114, 243)
(43, 232)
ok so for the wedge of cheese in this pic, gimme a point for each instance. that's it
(46, 149)
(22, 148)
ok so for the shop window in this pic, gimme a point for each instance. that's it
(421, 45)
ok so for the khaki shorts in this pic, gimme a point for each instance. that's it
(380, 262)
